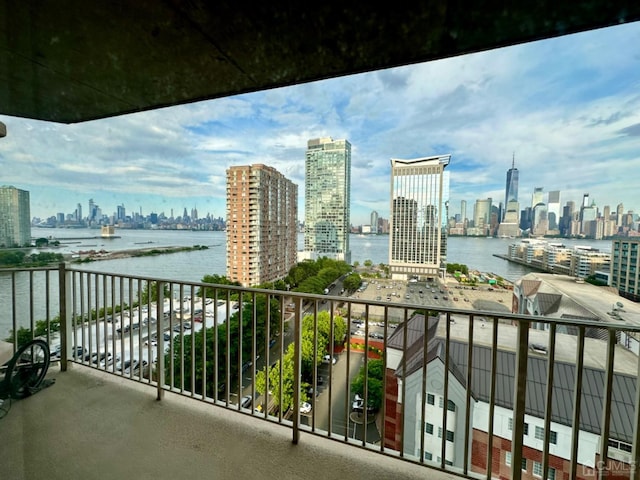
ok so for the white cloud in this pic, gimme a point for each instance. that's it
(567, 107)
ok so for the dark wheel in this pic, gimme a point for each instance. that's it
(27, 368)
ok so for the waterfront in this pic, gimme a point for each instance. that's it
(476, 252)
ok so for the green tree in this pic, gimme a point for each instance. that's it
(209, 292)
(375, 372)
(150, 292)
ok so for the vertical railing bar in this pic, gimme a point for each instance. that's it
(65, 326)
(280, 364)
(606, 406)
(239, 362)
(551, 348)
(314, 382)
(193, 342)
(384, 380)
(347, 410)
(47, 300)
(14, 314)
(87, 349)
(122, 322)
(73, 321)
(445, 409)
(467, 417)
(89, 318)
(227, 354)
(492, 393)
(267, 353)
(254, 344)
(297, 353)
(423, 396)
(159, 343)
(32, 321)
(216, 352)
(365, 406)
(105, 326)
(635, 450)
(404, 379)
(181, 333)
(113, 319)
(519, 398)
(203, 299)
(172, 316)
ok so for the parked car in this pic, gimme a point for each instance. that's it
(246, 401)
(328, 359)
(305, 407)
(134, 366)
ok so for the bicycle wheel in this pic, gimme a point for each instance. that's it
(27, 368)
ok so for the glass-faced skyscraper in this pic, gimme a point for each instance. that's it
(327, 199)
(419, 212)
(511, 192)
(15, 217)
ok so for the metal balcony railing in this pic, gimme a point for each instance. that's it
(468, 392)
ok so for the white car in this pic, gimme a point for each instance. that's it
(305, 407)
(328, 359)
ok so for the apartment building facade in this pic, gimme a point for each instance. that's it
(262, 212)
(15, 217)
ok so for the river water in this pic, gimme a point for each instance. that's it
(476, 253)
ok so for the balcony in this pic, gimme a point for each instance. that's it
(551, 401)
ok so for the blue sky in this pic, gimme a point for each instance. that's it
(568, 108)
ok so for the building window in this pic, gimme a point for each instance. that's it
(439, 432)
(523, 465)
(539, 433)
(537, 469)
(428, 428)
(441, 404)
(431, 400)
(507, 459)
(449, 436)
(525, 429)
(553, 437)
(428, 456)
(451, 406)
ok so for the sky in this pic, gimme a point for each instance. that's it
(566, 109)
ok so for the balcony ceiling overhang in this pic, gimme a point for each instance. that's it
(76, 60)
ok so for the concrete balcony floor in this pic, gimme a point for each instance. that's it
(94, 425)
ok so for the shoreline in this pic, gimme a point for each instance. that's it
(99, 255)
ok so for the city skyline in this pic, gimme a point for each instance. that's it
(567, 107)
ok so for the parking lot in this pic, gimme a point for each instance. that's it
(430, 295)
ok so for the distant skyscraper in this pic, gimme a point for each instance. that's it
(262, 212)
(463, 210)
(374, 222)
(511, 190)
(327, 199)
(419, 204)
(537, 197)
(121, 213)
(553, 209)
(482, 213)
(15, 217)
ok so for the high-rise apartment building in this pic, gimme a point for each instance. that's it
(625, 267)
(482, 213)
(419, 212)
(327, 199)
(262, 212)
(15, 217)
